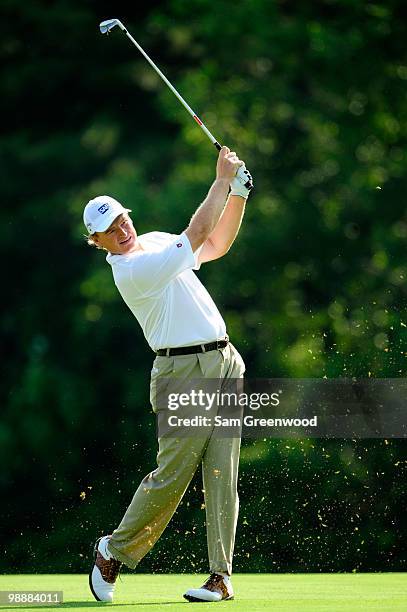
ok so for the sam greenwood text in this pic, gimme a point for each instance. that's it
(248, 421)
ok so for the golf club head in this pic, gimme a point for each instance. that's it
(109, 24)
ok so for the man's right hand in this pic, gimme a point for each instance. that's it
(228, 164)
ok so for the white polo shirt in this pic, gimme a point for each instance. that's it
(164, 294)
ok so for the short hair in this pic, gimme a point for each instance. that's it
(90, 241)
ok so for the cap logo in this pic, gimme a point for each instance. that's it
(102, 209)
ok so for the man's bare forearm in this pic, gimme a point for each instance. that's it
(227, 228)
(207, 215)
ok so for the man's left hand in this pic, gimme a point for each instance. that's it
(242, 183)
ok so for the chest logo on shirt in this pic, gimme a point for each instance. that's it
(179, 244)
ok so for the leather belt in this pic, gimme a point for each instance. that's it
(190, 350)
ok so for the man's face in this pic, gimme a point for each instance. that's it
(119, 238)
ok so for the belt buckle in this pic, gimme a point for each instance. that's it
(225, 339)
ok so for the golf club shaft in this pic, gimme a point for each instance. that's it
(175, 92)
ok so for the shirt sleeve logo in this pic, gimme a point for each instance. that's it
(179, 244)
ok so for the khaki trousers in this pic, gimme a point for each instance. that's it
(160, 492)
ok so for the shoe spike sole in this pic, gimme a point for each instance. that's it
(95, 552)
(195, 599)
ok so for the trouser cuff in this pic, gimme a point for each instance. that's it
(224, 568)
(117, 554)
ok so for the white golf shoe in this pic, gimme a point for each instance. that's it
(216, 588)
(105, 570)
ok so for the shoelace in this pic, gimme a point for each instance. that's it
(213, 581)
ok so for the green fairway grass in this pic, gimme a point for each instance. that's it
(276, 592)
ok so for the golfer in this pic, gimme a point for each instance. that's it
(154, 275)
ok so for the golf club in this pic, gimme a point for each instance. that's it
(108, 25)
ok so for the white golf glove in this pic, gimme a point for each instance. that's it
(242, 183)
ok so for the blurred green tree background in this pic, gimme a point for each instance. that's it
(313, 97)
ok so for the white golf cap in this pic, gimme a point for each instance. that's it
(100, 213)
